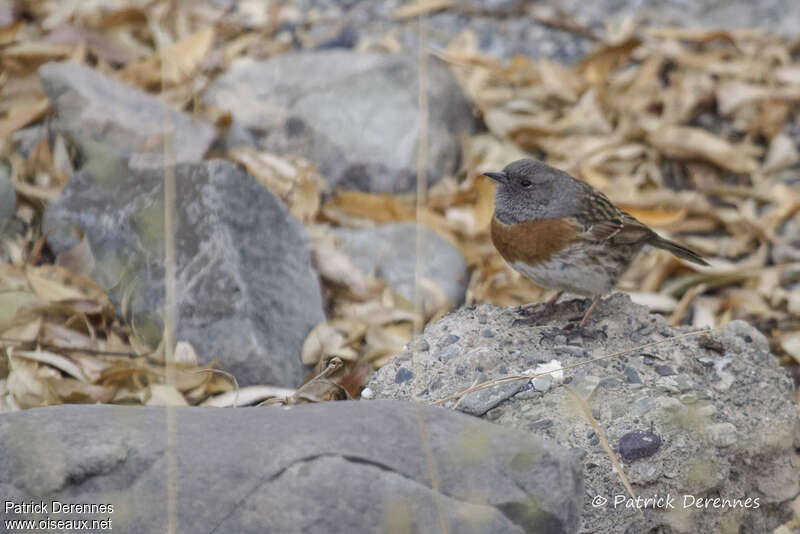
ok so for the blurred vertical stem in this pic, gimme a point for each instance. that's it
(419, 304)
(422, 184)
(169, 325)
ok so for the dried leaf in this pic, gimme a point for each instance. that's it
(165, 395)
(247, 395)
(417, 8)
(596, 67)
(57, 284)
(790, 342)
(172, 65)
(21, 116)
(323, 339)
(686, 142)
(782, 154)
(8, 33)
(338, 269)
(55, 360)
(656, 217)
(375, 207)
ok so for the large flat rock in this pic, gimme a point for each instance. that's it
(247, 294)
(355, 115)
(704, 416)
(328, 468)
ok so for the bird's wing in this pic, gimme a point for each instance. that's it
(603, 221)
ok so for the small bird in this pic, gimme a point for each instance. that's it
(565, 235)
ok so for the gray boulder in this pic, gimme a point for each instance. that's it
(115, 124)
(247, 295)
(337, 467)
(703, 417)
(353, 114)
(389, 250)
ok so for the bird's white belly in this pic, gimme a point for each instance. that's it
(576, 275)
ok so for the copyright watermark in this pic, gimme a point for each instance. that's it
(668, 501)
(56, 515)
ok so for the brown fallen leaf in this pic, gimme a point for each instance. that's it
(378, 208)
(595, 67)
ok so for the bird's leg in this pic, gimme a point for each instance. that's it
(589, 311)
(533, 316)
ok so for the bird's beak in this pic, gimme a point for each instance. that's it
(496, 176)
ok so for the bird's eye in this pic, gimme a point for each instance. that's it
(525, 183)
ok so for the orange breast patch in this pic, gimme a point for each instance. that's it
(533, 241)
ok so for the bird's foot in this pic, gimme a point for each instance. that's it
(533, 315)
(538, 311)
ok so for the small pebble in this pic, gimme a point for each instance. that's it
(632, 376)
(572, 350)
(609, 382)
(541, 424)
(403, 375)
(639, 444)
(664, 370)
(450, 339)
(542, 383)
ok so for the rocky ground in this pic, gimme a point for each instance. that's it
(705, 416)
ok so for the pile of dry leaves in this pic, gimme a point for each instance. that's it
(692, 132)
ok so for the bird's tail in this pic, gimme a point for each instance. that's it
(678, 250)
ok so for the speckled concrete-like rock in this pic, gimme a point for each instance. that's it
(720, 406)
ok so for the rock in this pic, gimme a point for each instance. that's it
(8, 196)
(353, 114)
(638, 444)
(335, 467)
(724, 421)
(390, 251)
(246, 296)
(114, 123)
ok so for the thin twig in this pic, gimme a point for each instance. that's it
(499, 381)
(587, 411)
